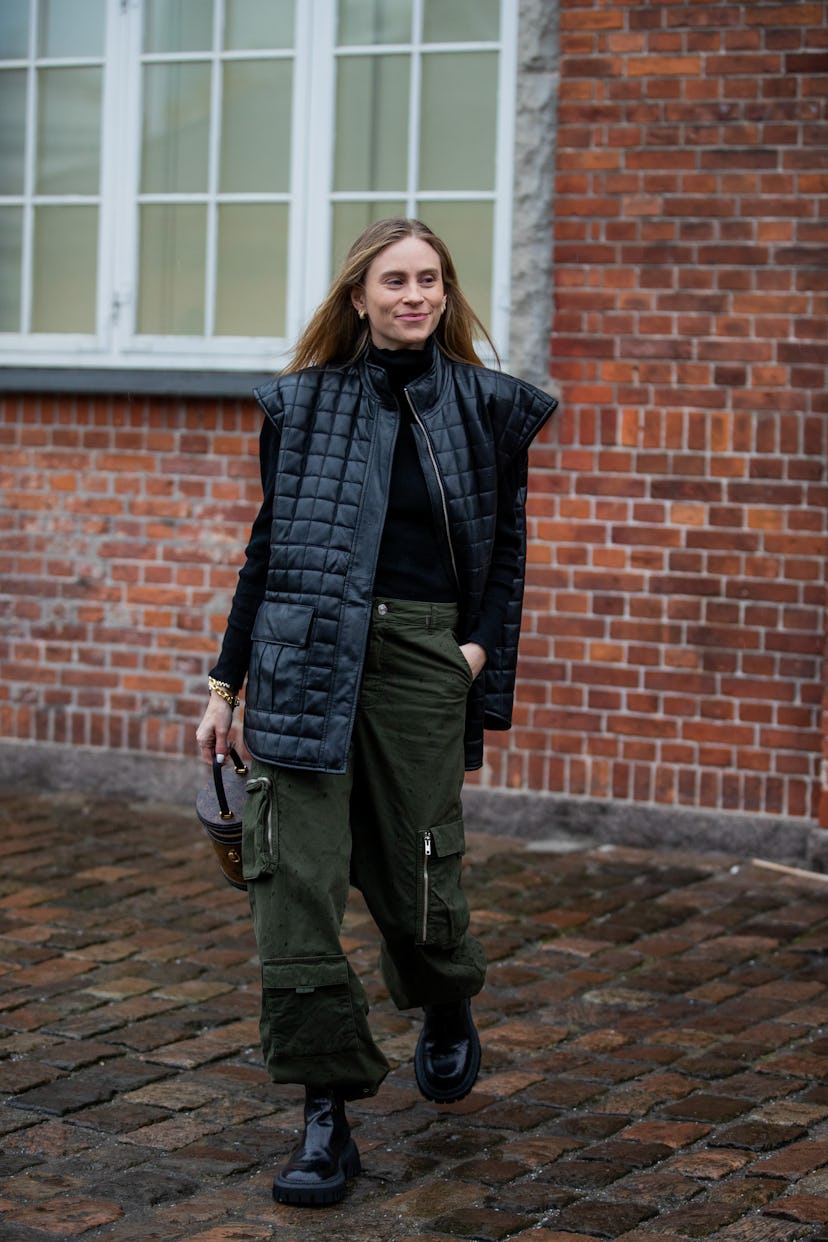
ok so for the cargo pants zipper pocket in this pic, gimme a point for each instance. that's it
(441, 912)
(427, 842)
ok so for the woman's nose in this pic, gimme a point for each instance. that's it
(413, 293)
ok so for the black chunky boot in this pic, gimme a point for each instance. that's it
(326, 1157)
(447, 1059)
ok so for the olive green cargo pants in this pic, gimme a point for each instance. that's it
(392, 826)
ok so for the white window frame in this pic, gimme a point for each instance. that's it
(72, 345)
(114, 345)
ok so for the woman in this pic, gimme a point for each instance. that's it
(376, 618)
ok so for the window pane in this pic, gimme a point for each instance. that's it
(255, 138)
(65, 269)
(71, 29)
(11, 246)
(349, 219)
(12, 130)
(467, 230)
(374, 21)
(251, 24)
(251, 284)
(171, 269)
(178, 25)
(14, 30)
(371, 123)
(459, 115)
(176, 131)
(461, 21)
(68, 131)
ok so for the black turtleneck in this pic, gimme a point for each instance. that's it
(410, 564)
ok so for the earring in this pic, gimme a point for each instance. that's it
(361, 314)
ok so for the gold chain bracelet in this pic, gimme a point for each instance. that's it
(224, 691)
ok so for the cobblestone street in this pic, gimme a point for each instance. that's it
(654, 1026)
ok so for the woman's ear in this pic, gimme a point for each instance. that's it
(358, 301)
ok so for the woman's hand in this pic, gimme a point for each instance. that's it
(475, 656)
(213, 734)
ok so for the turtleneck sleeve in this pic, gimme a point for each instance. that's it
(234, 657)
(504, 568)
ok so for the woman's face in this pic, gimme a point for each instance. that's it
(403, 295)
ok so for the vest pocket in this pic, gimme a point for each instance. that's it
(442, 909)
(279, 657)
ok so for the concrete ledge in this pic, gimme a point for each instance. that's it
(580, 823)
(108, 773)
(564, 823)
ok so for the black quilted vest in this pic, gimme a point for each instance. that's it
(336, 431)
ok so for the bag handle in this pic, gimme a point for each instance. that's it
(218, 780)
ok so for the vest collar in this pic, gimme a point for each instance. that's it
(424, 389)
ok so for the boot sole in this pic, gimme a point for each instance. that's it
(325, 1192)
(429, 1092)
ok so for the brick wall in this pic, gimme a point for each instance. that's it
(122, 524)
(674, 640)
(674, 651)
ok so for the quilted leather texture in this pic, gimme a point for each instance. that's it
(336, 432)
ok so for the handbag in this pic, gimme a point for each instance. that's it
(219, 808)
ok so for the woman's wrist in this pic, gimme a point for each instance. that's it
(476, 656)
(224, 691)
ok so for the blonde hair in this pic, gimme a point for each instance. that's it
(336, 335)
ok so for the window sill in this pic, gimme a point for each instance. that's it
(230, 384)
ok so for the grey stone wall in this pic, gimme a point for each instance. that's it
(532, 288)
(558, 822)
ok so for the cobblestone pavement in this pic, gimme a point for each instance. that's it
(655, 1031)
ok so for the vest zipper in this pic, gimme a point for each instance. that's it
(427, 839)
(440, 487)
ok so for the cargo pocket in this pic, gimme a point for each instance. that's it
(442, 910)
(307, 1007)
(260, 829)
(278, 657)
